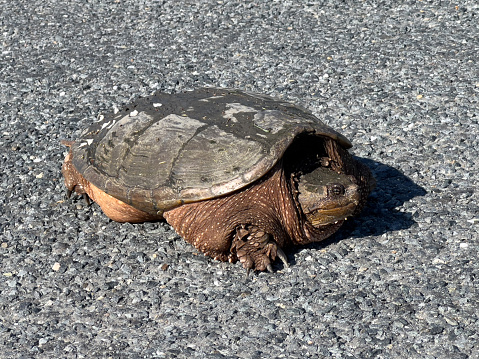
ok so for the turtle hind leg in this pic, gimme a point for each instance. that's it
(256, 249)
(74, 181)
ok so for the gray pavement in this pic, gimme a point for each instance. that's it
(398, 78)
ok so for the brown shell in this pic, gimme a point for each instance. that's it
(165, 150)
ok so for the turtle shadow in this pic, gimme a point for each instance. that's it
(381, 214)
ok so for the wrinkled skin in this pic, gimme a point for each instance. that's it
(304, 198)
(290, 206)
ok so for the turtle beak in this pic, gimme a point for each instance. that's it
(322, 217)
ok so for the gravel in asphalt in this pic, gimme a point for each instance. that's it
(399, 78)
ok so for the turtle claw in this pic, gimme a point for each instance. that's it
(282, 256)
(269, 268)
(86, 199)
(69, 193)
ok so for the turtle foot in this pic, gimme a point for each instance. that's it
(256, 249)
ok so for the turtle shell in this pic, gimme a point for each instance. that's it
(169, 149)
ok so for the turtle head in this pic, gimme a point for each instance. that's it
(330, 185)
(327, 197)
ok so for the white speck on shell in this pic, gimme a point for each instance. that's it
(234, 108)
(210, 98)
(133, 113)
(272, 120)
(88, 142)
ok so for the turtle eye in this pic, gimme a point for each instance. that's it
(336, 189)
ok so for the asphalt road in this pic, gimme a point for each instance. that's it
(399, 78)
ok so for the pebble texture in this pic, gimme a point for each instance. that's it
(398, 78)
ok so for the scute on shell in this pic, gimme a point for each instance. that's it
(165, 150)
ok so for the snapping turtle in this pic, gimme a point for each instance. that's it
(238, 175)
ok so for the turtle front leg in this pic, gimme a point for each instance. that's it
(256, 249)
